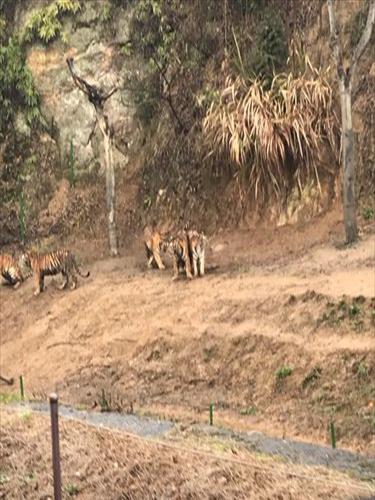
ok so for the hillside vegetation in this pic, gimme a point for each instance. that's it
(217, 101)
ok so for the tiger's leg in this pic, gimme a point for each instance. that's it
(65, 282)
(188, 267)
(17, 285)
(38, 284)
(175, 268)
(201, 265)
(158, 260)
(73, 277)
(149, 257)
(195, 267)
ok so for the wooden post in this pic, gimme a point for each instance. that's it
(53, 401)
(22, 389)
(333, 434)
(211, 414)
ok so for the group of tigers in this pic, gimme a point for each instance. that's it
(187, 249)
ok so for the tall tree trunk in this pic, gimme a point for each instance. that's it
(346, 76)
(110, 183)
(98, 98)
(350, 218)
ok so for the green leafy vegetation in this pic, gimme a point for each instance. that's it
(9, 397)
(251, 410)
(45, 24)
(269, 51)
(368, 213)
(71, 489)
(283, 372)
(357, 312)
(362, 370)
(17, 88)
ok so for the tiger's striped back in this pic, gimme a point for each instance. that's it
(52, 263)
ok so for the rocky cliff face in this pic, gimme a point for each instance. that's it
(97, 50)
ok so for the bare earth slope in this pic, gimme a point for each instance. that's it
(98, 463)
(281, 338)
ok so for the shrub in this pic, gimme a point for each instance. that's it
(274, 134)
(17, 89)
(283, 372)
(45, 24)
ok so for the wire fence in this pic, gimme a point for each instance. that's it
(109, 463)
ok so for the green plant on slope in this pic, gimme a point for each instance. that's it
(283, 372)
(44, 24)
(368, 213)
(17, 88)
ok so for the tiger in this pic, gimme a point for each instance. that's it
(178, 246)
(197, 247)
(10, 270)
(52, 263)
(154, 242)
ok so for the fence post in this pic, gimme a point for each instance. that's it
(211, 414)
(22, 388)
(53, 401)
(333, 434)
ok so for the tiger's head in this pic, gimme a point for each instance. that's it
(197, 239)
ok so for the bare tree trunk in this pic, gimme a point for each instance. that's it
(97, 98)
(346, 76)
(350, 219)
(110, 184)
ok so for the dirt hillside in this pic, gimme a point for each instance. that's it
(280, 335)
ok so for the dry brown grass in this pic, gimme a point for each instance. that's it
(98, 463)
(276, 132)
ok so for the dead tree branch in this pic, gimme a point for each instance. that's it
(97, 98)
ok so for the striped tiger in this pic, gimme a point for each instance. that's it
(10, 270)
(178, 246)
(197, 247)
(49, 264)
(154, 242)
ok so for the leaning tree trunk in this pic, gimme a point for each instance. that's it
(346, 76)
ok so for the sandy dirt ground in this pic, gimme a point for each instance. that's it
(279, 335)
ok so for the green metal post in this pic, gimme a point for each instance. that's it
(211, 414)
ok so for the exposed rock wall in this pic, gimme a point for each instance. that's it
(97, 49)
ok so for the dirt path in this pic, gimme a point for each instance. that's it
(176, 346)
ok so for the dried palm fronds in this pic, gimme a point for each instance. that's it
(276, 133)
